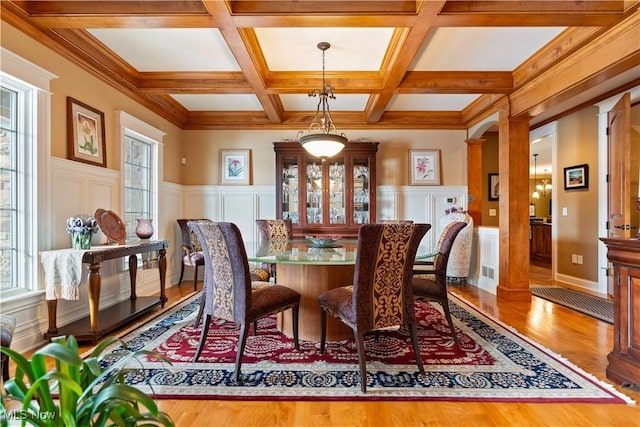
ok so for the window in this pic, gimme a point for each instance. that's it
(9, 146)
(24, 147)
(139, 194)
(141, 149)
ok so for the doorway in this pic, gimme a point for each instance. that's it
(541, 187)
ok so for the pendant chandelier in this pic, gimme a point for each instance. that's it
(545, 187)
(536, 193)
(322, 139)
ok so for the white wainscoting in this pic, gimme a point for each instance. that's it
(81, 189)
(484, 269)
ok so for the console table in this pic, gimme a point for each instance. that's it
(624, 359)
(99, 323)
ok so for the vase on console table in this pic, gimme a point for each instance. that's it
(144, 229)
(81, 240)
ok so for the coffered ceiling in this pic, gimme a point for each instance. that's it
(250, 64)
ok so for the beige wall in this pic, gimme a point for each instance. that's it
(489, 165)
(74, 82)
(201, 149)
(577, 232)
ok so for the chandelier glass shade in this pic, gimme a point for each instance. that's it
(322, 139)
(545, 187)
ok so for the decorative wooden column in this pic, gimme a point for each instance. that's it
(513, 146)
(474, 179)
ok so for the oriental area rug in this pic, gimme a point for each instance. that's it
(493, 362)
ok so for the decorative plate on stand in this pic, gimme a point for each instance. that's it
(111, 225)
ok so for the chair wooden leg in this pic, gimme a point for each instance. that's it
(294, 320)
(323, 330)
(195, 279)
(361, 360)
(200, 310)
(181, 273)
(416, 347)
(203, 336)
(447, 315)
(242, 340)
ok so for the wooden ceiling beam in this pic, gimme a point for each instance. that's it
(291, 82)
(419, 82)
(606, 56)
(533, 6)
(109, 7)
(236, 43)
(296, 121)
(403, 48)
(363, 7)
(194, 82)
(527, 13)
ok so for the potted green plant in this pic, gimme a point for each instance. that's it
(77, 392)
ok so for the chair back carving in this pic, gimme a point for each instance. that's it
(275, 229)
(382, 293)
(227, 279)
(190, 241)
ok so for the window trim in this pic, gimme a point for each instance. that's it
(129, 125)
(15, 68)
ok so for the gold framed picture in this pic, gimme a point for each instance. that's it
(85, 134)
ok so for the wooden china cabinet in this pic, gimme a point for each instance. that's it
(326, 197)
(624, 359)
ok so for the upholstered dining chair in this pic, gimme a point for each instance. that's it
(277, 232)
(228, 291)
(380, 297)
(192, 255)
(431, 284)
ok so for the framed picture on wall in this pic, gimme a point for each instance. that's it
(494, 187)
(235, 166)
(424, 167)
(85, 134)
(576, 177)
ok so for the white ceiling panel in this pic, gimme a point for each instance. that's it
(430, 102)
(481, 49)
(219, 102)
(170, 49)
(352, 49)
(344, 102)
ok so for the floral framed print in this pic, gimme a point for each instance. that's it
(424, 167)
(494, 187)
(235, 166)
(85, 134)
(576, 177)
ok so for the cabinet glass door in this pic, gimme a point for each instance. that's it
(361, 191)
(314, 193)
(336, 193)
(290, 189)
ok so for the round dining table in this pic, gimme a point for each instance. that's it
(312, 270)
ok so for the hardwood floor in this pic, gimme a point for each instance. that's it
(582, 340)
